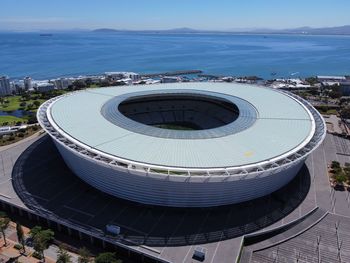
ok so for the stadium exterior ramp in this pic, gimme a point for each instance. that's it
(245, 141)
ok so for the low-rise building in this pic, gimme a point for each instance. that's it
(44, 86)
(331, 78)
(62, 83)
(168, 79)
(114, 76)
(133, 76)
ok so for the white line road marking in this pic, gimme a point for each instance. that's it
(216, 249)
(78, 211)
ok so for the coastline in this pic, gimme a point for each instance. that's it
(68, 54)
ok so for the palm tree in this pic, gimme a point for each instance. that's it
(107, 257)
(63, 256)
(4, 223)
(84, 255)
(20, 236)
(42, 239)
(39, 245)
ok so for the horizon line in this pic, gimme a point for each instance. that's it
(232, 30)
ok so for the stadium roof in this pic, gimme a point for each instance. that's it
(282, 126)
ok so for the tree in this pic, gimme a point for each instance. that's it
(36, 103)
(41, 239)
(79, 84)
(39, 245)
(32, 119)
(34, 231)
(84, 255)
(312, 80)
(88, 82)
(345, 112)
(20, 236)
(105, 83)
(23, 104)
(63, 256)
(4, 223)
(26, 97)
(335, 94)
(335, 165)
(107, 257)
(340, 178)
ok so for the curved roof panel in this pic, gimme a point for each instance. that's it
(282, 125)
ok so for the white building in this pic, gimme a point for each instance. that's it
(122, 75)
(44, 86)
(133, 76)
(331, 78)
(62, 83)
(5, 86)
(126, 81)
(28, 84)
(170, 79)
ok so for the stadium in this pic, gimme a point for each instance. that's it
(183, 144)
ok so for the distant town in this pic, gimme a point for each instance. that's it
(8, 86)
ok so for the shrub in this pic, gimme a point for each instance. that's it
(107, 257)
(335, 165)
(18, 246)
(32, 119)
(37, 255)
(336, 170)
(341, 178)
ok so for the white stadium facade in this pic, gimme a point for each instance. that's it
(183, 144)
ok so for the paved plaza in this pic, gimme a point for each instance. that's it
(324, 238)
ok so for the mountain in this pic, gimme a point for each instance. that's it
(106, 30)
(340, 30)
(181, 30)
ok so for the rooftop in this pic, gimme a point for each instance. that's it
(282, 125)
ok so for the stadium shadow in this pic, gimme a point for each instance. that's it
(46, 185)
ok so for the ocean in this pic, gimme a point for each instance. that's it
(267, 56)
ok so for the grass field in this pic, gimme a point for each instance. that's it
(10, 120)
(14, 103)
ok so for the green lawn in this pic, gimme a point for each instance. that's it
(14, 103)
(11, 120)
(334, 112)
(93, 86)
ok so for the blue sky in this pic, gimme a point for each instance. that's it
(163, 14)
